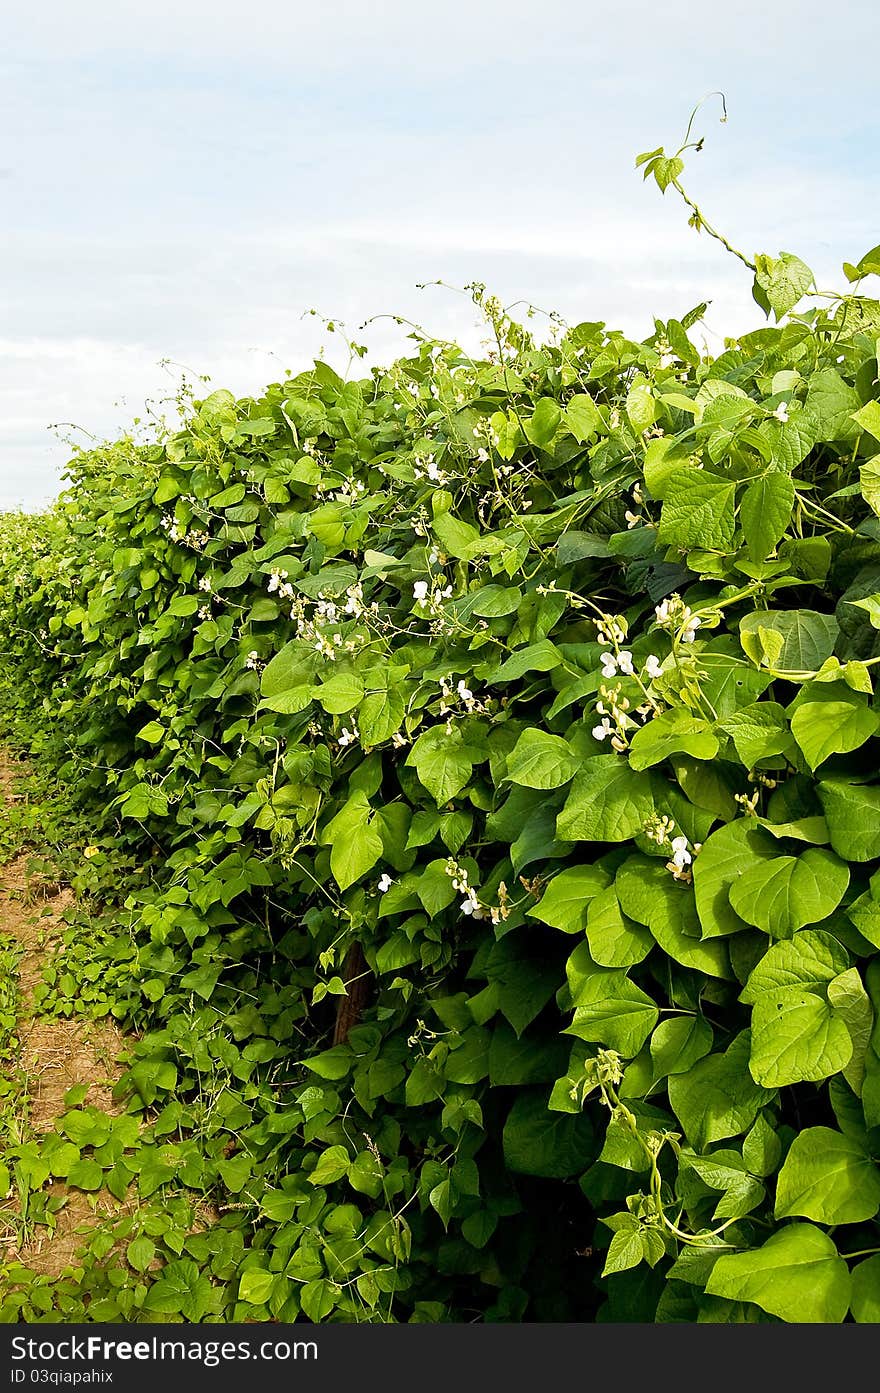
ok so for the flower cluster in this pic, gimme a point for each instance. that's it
(748, 802)
(430, 594)
(458, 695)
(196, 538)
(427, 467)
(662, 830)
(675, 616)
(349, 737)
(350, 492)
(278, 582)
(320, 622)
(612, 629)
(470, 904)
(613, 663)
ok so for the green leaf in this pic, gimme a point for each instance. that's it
(608, 802)
(615, 940)
(810, 959)
(455, 537)
(641, 407)
(828, 1177)
(782, 280)
(543, 656)
(496, 601)
(724, 857)
(548, 1144)
(648, 893)
(795, 640)
(868, 418)
(182, 1290)
(543, 423)
(782, 894)
(611, 1010)
(292, 667)
(850, 1001)
(823, 728)
(624, 1251)
(341, 693)
(444, 761)
(583, 417)
(796, 1275)
(255, 1286)
(717, 1097)
(566, 899)
(853, 816)
(866, 1291)
(761, 1148)
(796, 1038)
(85, 1174)
(380, 714)
(678, 1043)
(140, 1253)
(541, 760)
(869, 483)
(354, 840)
(697, 511)
(723, 1170)
(758, 731)
(765, 512)
(152, 732)
(672, 732)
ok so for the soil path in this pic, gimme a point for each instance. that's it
(54, 1054)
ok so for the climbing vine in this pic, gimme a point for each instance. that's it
(479, 759)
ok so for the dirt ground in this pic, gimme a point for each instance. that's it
(54, 1054)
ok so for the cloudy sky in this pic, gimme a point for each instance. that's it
(184, 180)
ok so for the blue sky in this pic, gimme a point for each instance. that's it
(184, 180)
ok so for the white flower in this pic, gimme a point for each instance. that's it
(609, 664)
(205, 584)
(661, 612)
(420, 591)
(464, 691)
(348, 737)
(603, 730)
(781, 412)
(253, 659)
(652, 665)
(483, 456)
(632, 519)
(681, 857)
(690, 631)
(625, 662)
(385, 883)
(470, 905)
(354, 600)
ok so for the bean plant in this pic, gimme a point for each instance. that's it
(481, 754)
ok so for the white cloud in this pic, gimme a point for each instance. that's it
(186, 183)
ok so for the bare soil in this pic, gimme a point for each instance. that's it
(54, 1054)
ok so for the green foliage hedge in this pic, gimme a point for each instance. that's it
(531, 697)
